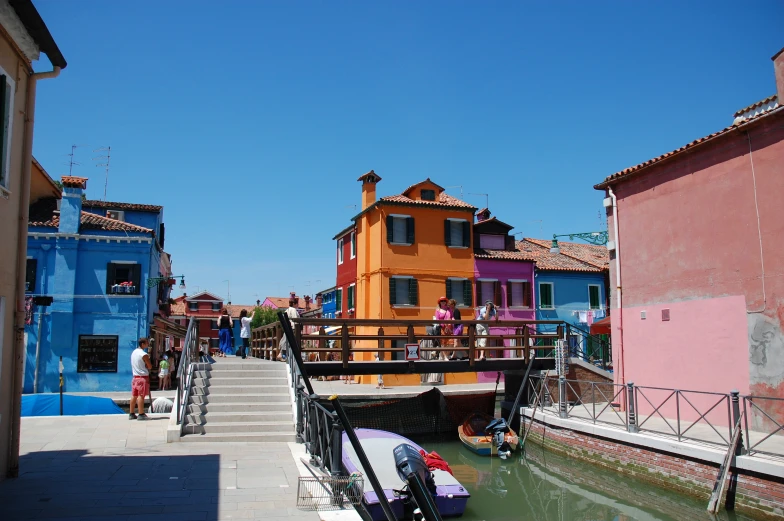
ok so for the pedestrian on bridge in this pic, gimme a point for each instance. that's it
(486, 313)
(292, 313)
(225, 326)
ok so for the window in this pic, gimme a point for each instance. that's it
(123, 278)
(216, 306)
(193, 306)
(353, 245)
(546, 295)
(350, 296)
(340, 251)
(214, 343)
(214, 325)
(7, 89)
(492, 242)
(400, 229)
(117, 215)
(428, 195)
(339, 300)
(403, 291)
(593, 296)
(460, 290)
(518, 293)
(457, 233)
(31, 272)
(488, 289)
(97, 354)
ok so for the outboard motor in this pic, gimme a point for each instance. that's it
(412, 469)
(497, 430)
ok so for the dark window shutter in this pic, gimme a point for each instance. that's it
(447, 232)
(410, 230)
(392, 290)
(527, 294)
(390, 228)
(136, 277)
(413, 292)
(448, 288)
(466, 234)
(110, 276)
(161, 235)
(497, 295)
(479, 300)
(509, 301)
(3, 129)
(467, 292)
(339, 300)
(30, 272)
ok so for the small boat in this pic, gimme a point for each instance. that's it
(450, 496)
(488, 436)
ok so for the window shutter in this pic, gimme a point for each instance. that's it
(447, 232)
(410, 230)
(4, 120)
(466, 232)
(448, 288)
(480, 301)
(509, 300)
(413, 292)
(30, 274)
(392, 290)
(110, 275)
(497, 294)
(390, 228)
(467, 292)
(339, 300)
(527, 294)
(136, 278)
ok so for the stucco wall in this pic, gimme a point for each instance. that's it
(570, 295)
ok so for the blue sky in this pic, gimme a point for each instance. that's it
(251, 121)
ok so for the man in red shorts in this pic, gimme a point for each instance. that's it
(140, 386)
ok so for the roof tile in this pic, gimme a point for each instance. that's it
(90, 203)
(554, 261)
(590, 253)
(43, 214)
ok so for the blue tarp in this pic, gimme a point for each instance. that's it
(49, 405)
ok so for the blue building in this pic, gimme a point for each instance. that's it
(328, 303)
(94, 258)
(571, 285)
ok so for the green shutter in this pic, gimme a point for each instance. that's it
(339, 300)
(447, 232)
(392, 290)
(448, 288)
(413, 292)
(390, 228)
(593, 297)
(410, 230)
(467, 293)
(466, 234)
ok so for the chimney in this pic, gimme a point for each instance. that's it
(307, 302)
(482, 215)
(258, 303)
(369, 181)
(319, 300)
(778, 67)
(71, 204)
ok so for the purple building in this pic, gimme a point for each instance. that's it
(503, 274)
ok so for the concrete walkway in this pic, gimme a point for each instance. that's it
(108, 467)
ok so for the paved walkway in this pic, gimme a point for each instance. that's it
(107, 467)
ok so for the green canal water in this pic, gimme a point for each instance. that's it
(544, 486)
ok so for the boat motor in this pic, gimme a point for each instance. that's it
(497, 429)
(412, 469)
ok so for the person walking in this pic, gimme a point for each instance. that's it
(292, 313)
(457, 331)
(140, 385)
(486, 313)
(245, 321)
(225, 325)
(444, 313)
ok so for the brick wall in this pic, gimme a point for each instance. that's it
(756, 495)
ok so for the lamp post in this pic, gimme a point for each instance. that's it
(597, 238)
(152, 281)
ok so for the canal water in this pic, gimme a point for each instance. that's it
(544, 486)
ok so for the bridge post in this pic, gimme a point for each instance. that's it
(562, 397)
(381, 345)
(345, 347)
(735, 397)
(526, 348)
(298, 337)
(276, 342)
(630, 404)
(471, 345)
(410, 333)
(322, 343)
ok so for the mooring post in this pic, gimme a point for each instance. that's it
(336, 445)
(345, 346)
(735, 397)
(562, 397)
(632, 427)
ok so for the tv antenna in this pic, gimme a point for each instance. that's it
(104, 163)
(71, 162)
(487, 199)
(458, 186)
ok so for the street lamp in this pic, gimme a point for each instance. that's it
(597, 238)
(152, 281)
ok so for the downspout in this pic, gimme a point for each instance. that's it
(21, 260)
(618, 289)
(45, 249)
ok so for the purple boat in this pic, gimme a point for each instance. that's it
(451, 497)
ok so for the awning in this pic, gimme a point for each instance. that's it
(332, 330)
(601, 327)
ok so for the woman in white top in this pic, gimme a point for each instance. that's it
(245, 321)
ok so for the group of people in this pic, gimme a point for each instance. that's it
(226, 334)
(447, 310)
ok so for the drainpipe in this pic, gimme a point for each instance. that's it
(45, 249)
(21, 260)
(618, 289)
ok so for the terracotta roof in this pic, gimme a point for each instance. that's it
(493, 220)
(444, 200)
(631, 170)
(369, 175)
(516, 255)
(42, 214)
(178, 308)
(234, 309)
(407, 190)
(554, 261)
(72, 181)
(755, 105)
(121, 206)
(279, 302)
(592, 254)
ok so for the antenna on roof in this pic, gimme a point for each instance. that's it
(107, 158)
(71, 162)
(487, 199)
(458, 186)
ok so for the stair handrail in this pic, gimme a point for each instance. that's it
(190, 355)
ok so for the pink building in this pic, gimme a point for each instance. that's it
(697, 259)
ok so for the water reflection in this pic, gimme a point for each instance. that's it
(544, 486)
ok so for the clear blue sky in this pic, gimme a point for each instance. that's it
(251, 121)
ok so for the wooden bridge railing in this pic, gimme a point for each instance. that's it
(311, 333)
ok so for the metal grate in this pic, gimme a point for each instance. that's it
(329, 492)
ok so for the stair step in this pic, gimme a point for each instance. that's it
(201, 418)
(240, 438)
(240, 407)
(242, 373)
(252, 366)
(254, 398)
(244, 389)
(247, 427)
(245, 380)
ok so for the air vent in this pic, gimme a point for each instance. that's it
(665, 315)
(117, 215)
(643, 315)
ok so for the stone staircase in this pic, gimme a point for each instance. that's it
(236, 400)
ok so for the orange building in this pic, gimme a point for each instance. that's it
(412, 249)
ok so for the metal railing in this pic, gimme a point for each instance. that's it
(696, 416)
(190, 355)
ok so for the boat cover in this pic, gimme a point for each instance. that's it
(49, 405)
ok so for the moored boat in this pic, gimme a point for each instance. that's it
(488, 436)
(450, 496)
